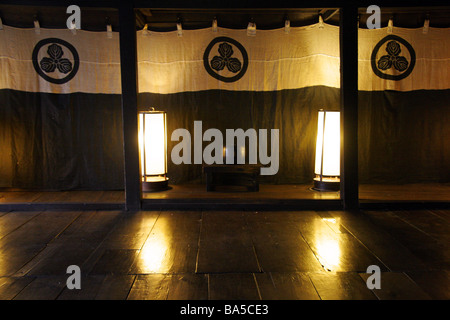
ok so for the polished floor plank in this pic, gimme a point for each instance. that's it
(100, 287)
(434, 283)
(280, 216)
(41, 229)
(91, 226)
(56, 258)
(223, 224)
(397, 286)
(398, 228)
(285, 286)
(275, 232)
(115, 262)
(286, 257)
(435, 254)
(227, 255)
(43, 288)
(279, 244)
(131, 231)
(188, 287)
(225, 244)
(436, 227)
(233, 286)
(13, 220)
(150, 287)
(171, 246)
(444, 214)
(13, 259)
(195, 255)
(73, 246)
(19, 196)
(391, 252)
(279, 225)
(90, 286)
(178, 226)
(170, 287)
(115, 287)
(158, 256)
(337, 251)
(27, 241)
(341, 286)
(343, 254)
(334, 224)
(2, 213)
(84, 239)
(10, 287)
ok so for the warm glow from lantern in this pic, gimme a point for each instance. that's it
(156, 255)
(152, 146)
(153, 256)
(327, 164)
(329, 253)
(327, 245)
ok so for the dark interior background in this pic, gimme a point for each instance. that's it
(59, 142)
(293, 112)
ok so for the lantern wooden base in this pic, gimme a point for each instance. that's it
(151, 186)
(326, 185)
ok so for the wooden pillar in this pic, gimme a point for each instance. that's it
(128, 68)
(348, 36)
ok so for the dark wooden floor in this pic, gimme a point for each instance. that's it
(225, 254)
(23, 197)
(269, 197)
(376, 192)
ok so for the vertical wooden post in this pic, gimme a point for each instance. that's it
(348, 36)
(128, 68)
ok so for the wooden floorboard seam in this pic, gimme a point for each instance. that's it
(358, 236)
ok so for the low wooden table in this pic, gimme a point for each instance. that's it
(232, 174)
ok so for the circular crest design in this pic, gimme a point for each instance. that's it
(55, 66)
(394, 61)
(226, 64)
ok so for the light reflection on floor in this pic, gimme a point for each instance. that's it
(327, 245)
(153, 257)
(224, 254)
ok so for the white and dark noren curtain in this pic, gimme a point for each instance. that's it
(60, 109)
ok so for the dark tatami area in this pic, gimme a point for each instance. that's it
(225, 254)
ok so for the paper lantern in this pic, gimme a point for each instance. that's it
(328, 145)
(153, 150)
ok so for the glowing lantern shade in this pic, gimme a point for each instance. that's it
(327, 166)
(153, 150)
